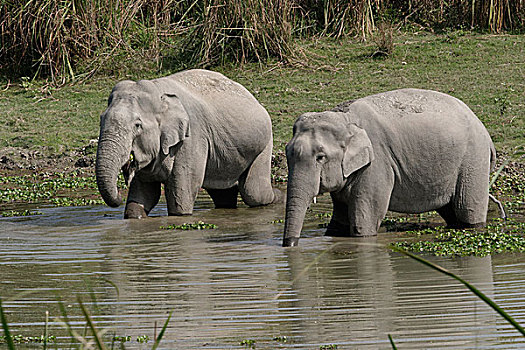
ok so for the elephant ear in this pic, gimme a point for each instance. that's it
(358, 151)
(174, 123)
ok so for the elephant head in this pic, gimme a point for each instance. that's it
(139, 124)
(324, 151)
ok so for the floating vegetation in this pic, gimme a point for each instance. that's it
(20, 339)
(127, 338)
(13, 213)
(281, 338)
(54, 188)
(501, 237)
(122, 338)
(328, 347)
(278, 221)
(142, 339)
(199, 225)
(248, 343)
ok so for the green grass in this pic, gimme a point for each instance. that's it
(485, 71)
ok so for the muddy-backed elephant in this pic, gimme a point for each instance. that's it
(408, 151)
(189, 130)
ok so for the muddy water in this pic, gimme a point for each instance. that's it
(237, 283)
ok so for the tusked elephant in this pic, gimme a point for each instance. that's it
(407, 151)
(189, 130)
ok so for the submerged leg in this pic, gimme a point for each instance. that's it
(142, 197)
(224, 198)
(339, 224)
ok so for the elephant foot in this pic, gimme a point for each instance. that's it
(278, 196)
(362, 231)
(180, 213)
(134, 211)
(336, 229)
(462, 225)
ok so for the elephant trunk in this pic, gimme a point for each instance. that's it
(107, 168)
(302, 187)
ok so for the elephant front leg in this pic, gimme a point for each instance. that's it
(142, 197)
(367, 206)
(181, 189)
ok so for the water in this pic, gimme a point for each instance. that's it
(237, 283)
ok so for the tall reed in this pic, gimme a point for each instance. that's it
(62, 39)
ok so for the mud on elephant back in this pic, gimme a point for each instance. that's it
(407, 151)
(189, 130)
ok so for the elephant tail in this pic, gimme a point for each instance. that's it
(502, 212)
(492, 157)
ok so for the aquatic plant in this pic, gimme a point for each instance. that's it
(199, 225)
(21, 339)
(328, 347)
(13, 213)
(122, 338)
(281, 338)
(142, 339)
(500, 237)
(248, 343)
(59, 189)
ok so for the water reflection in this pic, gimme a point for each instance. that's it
(236, 283)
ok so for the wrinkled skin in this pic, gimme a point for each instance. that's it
(189, 130)
(408, 151)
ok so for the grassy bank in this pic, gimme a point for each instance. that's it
(485, 71)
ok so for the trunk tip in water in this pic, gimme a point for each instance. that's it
(290, 241)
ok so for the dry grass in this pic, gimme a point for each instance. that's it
(68, 39)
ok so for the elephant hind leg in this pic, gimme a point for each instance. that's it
(255, 183)
(468, 208)
(448, 214)
(224, 198)
(471, 199)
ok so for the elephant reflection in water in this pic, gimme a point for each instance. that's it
(359, 292)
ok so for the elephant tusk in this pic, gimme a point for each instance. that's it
(315, 199)
(128, 169)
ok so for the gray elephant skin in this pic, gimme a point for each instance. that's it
(189, 130)
(407, 151)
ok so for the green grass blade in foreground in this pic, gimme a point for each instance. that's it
(473, 289)
(161, 334)
(96, 334)
(5, 327)
(392, 342)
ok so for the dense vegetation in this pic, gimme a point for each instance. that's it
(75, 39)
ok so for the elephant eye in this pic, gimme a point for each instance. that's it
(320, 157)
(138, 125)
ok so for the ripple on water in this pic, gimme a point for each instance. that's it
(236, 282)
